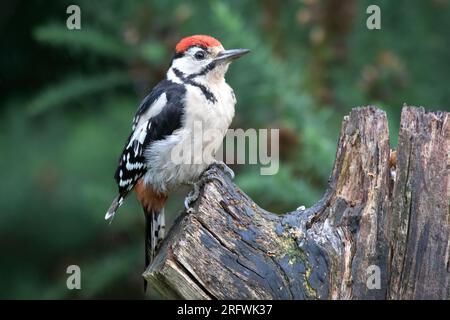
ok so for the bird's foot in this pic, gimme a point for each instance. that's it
(192, 197)
(206, 177)
(209, 175)
(222, 165)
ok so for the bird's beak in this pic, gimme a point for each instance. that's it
(229, 55)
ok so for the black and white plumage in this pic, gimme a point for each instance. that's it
(158, 116)
(193, 94)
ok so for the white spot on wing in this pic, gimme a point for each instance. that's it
(133, 166)
(143, 134)
(123, 183)
(139, 136)
(152, 111)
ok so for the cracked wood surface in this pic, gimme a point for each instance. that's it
(374, 212)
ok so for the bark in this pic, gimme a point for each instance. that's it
(381, 230)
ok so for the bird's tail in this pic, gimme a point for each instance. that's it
(117, 202)
(155, 227)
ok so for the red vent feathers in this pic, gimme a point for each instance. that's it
(197, 40)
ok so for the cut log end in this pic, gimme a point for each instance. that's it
(380, 231)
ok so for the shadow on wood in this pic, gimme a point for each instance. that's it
(381, 231)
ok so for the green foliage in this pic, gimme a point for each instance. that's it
(69, 110)
(91, 40)
(75, 87)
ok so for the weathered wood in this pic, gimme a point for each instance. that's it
(372, 214)
(420, 217)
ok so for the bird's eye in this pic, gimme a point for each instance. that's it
(200, 55)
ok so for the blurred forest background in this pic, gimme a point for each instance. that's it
(68, 97)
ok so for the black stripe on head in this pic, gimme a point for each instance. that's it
(188, 80)
(178, 55)
(205, 70)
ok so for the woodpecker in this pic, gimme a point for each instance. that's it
(194, 92)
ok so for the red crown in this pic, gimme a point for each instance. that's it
(197, 40)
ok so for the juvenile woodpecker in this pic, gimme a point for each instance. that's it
(193, 93)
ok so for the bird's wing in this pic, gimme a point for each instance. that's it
(156, 99)
(158, 116)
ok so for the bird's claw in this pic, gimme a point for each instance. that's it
(191, 198)
(190, 210)
(226, 169)
(205, 178)
(209, 177)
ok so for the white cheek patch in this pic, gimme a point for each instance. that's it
(189, 65)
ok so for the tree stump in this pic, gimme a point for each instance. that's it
(381, 230)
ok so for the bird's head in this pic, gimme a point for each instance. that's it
(201, 56)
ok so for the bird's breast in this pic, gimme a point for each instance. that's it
(214, 112)
(184, 155)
